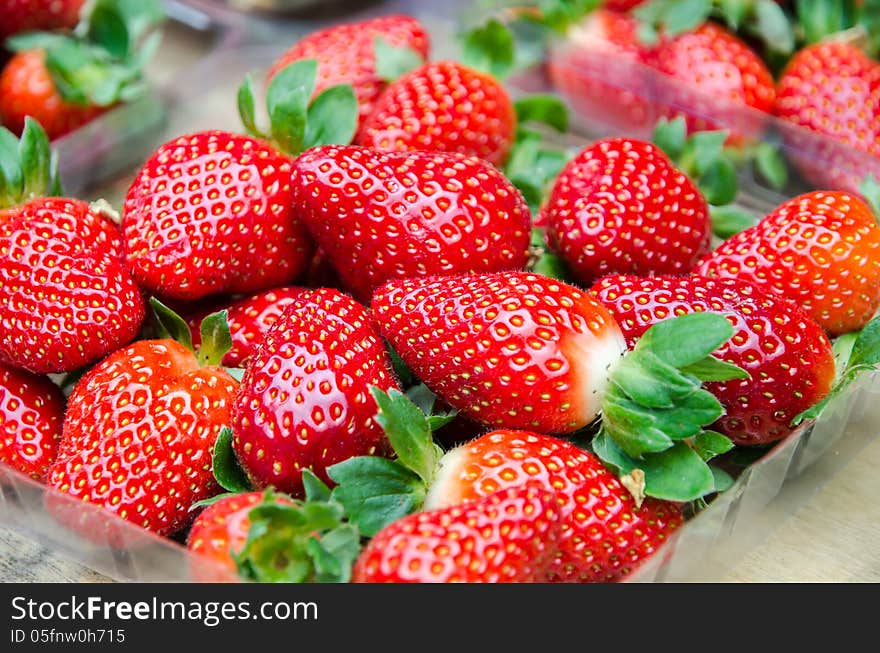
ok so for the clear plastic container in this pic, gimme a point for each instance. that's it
(202, 96)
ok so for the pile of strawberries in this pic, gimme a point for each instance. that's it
(347, 347)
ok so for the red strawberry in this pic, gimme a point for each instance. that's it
(27, 15)
(600, 69)
(66, 299)
(27, 89)
(380, 216)
(604, 536)
(212, 212)
(622, 206)
(31, 412)
(304, 401)
(443, 106)
(833, 90)
(820, 250)
(786, 353)
(346, 54)
(139, 434)
(718, 75)
(508, 536)
(249, 320)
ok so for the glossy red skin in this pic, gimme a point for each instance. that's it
(139, 434)
(27, 89)
(621, 206)
(210, 213)
(29, 15)
(786, 353)
(506, 537)
(66, 299)
(380, 216)
(221, 529)
(820, 250)
(346, 54)
(502, 348)
(725, 74)
(31, 413)
(443, 106)
(832, 89)
(249, 319)
(305, 399)
(605, 46)
(603, 538)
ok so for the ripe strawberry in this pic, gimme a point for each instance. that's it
(27, 15)
(212, 212)
(604, 535)
(304, 401)
(604, 46)
(249, 320)
(786, 353)
(718, 74)
(443, 106)
(622, 206)
(66, 299)
(380, 216)
(508, 536)
(819, 250)
(832, 89)
(27, 89)
(31, 412)
(139, 434)
(346, 54)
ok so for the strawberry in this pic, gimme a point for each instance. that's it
(621, 206)
(212, 212)
(787, 354)
(818, 250)
(67, 299)
(249, 320)
(604, 534)
(140, 429)
(304, 401)
(379, 216)
(517, 350)
(27, 15)
(31, 412)
(65, 80)
(833, 90)
(443, 106)
(509, 536)
(346, 54)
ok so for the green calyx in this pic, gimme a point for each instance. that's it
(870, 191)
(297, 122)
(393, 62)
(101, 63)
(28, 167)
(818, 20)
(655, 411)
(214, 331)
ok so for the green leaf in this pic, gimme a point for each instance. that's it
(33, 41)
(870, 190)
(704, 148)
(773, 26)
(631, 427)
(674, 16)
(544, 109)
(204, 503)
(719, 183)
(408, 432)
(216, 339)
(315, 489)
(287, 102)
(715, 369)
(866, 350)
(490, 48)
(393, 62)
(401, 371)
(671, 136)
(438, 421)
(649, 381)
(770, 164)
(247, 109)
(36, 160)
(171, 325)
(332, 117)
(550, 265)
(423, 397)
(334, 554)
(686, 339)
(376, 491)
(107, 28)
(723, 480)
(709, 444)
(734, 11)
(729, 220)
(236, 373)
(227, 471)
